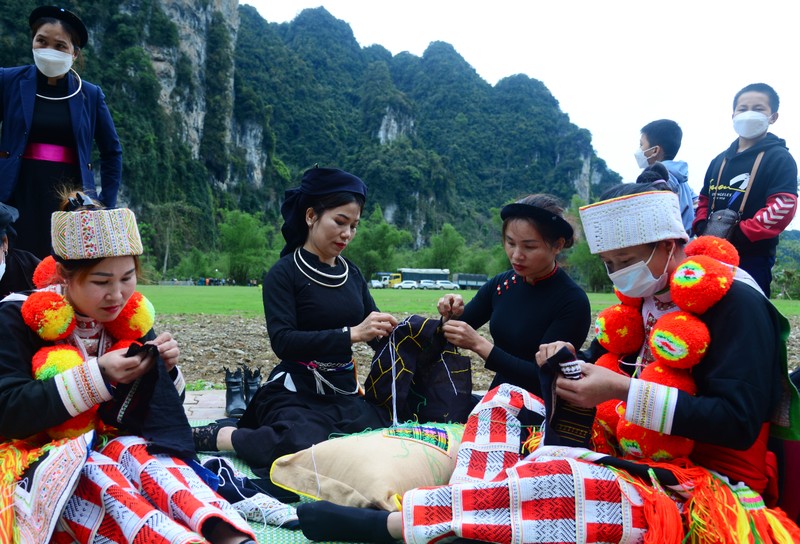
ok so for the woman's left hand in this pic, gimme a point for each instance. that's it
(167, 349)
(462, 335)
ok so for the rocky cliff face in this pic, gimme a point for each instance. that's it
(182, 74)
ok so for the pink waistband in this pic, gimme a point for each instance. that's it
(50, 152)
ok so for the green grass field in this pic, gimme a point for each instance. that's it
(247, 302)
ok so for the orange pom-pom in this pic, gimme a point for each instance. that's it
(699, 282)
(640, 443)
(134, 321)
(633, 302)
(604, 440)
(679, 339)
(122, 344)
(609, 361)
(52, 360)
(49, 314)
(717, 248)
(619, 329)
(679, 378)
(608, 413)
(45, 273)
(76, 426)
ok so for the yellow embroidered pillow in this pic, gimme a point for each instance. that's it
(372, 469)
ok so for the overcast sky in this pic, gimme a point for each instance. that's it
(613, 66)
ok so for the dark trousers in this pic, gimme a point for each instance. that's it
(760, 267)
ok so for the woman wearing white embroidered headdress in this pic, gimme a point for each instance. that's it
(576, 494)
(96, 446)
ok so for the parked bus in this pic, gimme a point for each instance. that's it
(470, 281)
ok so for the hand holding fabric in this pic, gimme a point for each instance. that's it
(376, 325)
(117, 367)
(168, 349)
(450, 306)
(597, 385)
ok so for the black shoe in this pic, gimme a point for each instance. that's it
(205, 437)
(252, 381)
(234, 393)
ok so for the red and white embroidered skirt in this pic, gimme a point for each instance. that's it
(495, 496)
(127, 495)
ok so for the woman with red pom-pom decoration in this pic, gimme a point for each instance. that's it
(709, 374)
(91, 397)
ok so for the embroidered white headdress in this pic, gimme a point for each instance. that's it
(632, 220)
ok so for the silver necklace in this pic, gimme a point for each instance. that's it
(334, 277)
(80, 84)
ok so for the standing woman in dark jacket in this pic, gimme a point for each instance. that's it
(50, 118)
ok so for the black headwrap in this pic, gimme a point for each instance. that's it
(518, 209)
(316, 182)
(8, 214)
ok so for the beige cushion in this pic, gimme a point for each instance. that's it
(372, 469)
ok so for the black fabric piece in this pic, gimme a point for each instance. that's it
(665, 476)
(433, 381)
(154, 412)
(323, 520)
(566, 425)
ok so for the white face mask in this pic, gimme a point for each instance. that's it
(641, 158)
(750, 124)
(2, 269)
(52, 63)
(637, 281)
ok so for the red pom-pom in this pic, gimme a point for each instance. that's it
(678, 378)
(134, 321)
(619, 329)
(122, 344)
(45, 273)
(699, 282)
(717, 248)
(609, 361)
(633, 302)
(679, 339)
(49, 314)
(76, 426)
(640, 443)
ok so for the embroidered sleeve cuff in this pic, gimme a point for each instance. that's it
(651, 405)
(82, 387)
(178, 380)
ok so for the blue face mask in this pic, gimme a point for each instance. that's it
(637, 281)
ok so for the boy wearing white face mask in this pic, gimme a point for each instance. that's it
(50, 120)
(771, 202)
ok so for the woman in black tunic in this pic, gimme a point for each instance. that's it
(51, 120)
(317, 306)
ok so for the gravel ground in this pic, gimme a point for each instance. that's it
(209, 343)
